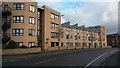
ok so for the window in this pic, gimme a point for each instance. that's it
(52, 35)
(67, 32)
(89, 38)
(67, 36)
(18, 19)
(31, 44)
(57, 35)
(67, 43)
(19, 44)
(75, 34)
(70, 29)
(61, 44)
(76, 44)
(88, 34)
(56, 25)
(52, 16)
(57, 43)
(17, 32)
(83, 44)
(103, 44)
(38, 15)
(52, 44)
(56, 16)
(32, 8)
(71, 36)
(89, 44)
(67, 29)
(18, 6)
(52, 25)
(71, 44)
(31, 32)
(82, 33)
(75, 38)
(32, 20)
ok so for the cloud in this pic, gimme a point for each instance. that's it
(94, 13)
(78, 0)
(89, 12)
(54, 5)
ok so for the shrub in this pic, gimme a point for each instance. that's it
(11, 45)
(34, 46)
(23, 46)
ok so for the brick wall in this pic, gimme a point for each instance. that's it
(20, 51)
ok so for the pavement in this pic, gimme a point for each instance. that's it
(81, 58)
(113, 60)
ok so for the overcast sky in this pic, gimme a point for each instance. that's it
(87, 12)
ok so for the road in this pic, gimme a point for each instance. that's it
(80, 57)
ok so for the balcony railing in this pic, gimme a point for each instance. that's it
(6, 24)
(5, 38)
(6, 11)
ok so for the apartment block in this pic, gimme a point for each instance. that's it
(83, 37)
(31, 25)
(50, 20)
(112, 40)
(20, 22)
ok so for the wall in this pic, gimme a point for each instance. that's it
(20, 51)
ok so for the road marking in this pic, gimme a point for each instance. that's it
(94, 60)
(45, 61)
(12, 60)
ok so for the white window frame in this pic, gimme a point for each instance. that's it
(32, 8)
(31, 44)
(31, 20)
(19, 44)
(31, 32)
(17, 32)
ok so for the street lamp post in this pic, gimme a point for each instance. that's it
(60, 35)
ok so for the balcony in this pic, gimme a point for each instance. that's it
(6, 25)
(6, 11)
(76, 40)
(5, 38)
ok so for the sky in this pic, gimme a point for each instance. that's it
(87, 12)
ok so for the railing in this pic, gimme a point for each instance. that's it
(6, 24)
(6, 38)
(6, 11)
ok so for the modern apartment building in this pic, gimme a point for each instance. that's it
(28, 24)
(20, 22)
(112, 40)
(83, 37)
(49, 22)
